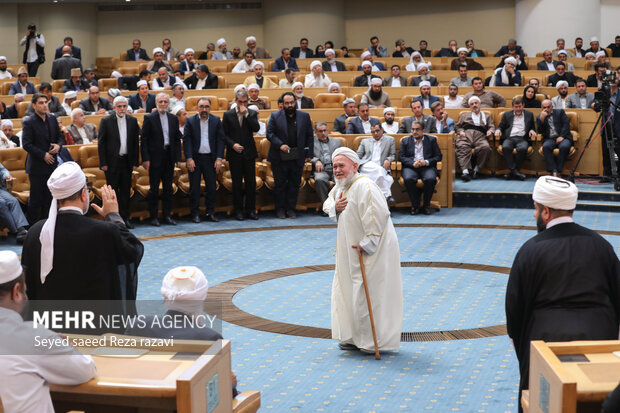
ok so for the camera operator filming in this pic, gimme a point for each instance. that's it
(34, 55)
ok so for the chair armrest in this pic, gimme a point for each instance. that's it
(246, 402)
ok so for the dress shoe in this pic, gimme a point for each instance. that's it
(323, 213)
(20, 237)
(128, 224)
(347, 346)
(239, 216)
(281, 214)
(474, 174)
(466, 177)
(390, 200)
(253, 216)
(196, 219)
(518, 175)
(604, 180)
(415, 211)
(291, 213)
(425, 211)
(508, 176)
(211, 218)
(154, 222)
(365, 351)
(169, 221)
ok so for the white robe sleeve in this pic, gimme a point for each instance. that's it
(329, 206)
(374, 214)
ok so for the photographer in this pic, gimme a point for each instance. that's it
(34, 54)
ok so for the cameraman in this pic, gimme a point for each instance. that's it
(615, 110)
(34, 55)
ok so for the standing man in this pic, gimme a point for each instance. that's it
(240, 124)
(161, 149)
(119, 154)
(373, 236)
(203, 144)
(564, 283)
(324, 147)
(34, 55)
(42, 139)
(61, 67)
(290, 132)
(473, 130)
(515, 132)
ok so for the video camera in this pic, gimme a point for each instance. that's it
(32, 30)
(603, 95)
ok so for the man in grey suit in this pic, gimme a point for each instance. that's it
(376, 156)
(395, 80)
(324, 146)
(581, 99)
(61, 67)
(81, 132)
(427, 121)
(340, 123)
(95, 105)
(363, 123)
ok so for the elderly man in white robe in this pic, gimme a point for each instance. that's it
(316, 77)
(364, 225)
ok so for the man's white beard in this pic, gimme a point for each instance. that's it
(331, 61)
(342, 183)
(299, 95)
(425, 77)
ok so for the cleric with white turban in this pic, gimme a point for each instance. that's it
(184, 289)
(555, 193)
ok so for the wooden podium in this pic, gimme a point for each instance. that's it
(571, 377)
(184, 376)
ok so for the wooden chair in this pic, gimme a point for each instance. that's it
(57, 85)
(5, 87)
(21, 108)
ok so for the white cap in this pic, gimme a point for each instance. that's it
(113, 92)
(556, 193)
(561, 83)
(72, 94)
(424, 83)
(386, 110)
(462, 49)
(158, 50)
(184, 289)
(365, 54)
(377, 81)
(472, 99)
(590, 54)
(240, 87)
(249, 39)
(564, 52)
(314, 63)
(599, 54)
(254, 108)
(175, 110)
(259, 63)
(10, 267)
(510, 60)
(142, 82)
(366, 63)
(349, 153)
(220, 42)
(116, 74)
(416, 54)
(332, 84)
(253, 86)
(330, 50)
(296, 84)
(3, 58)
(593, 39)
(347, 101)
(188, 50)
(5, 122)
(422, 65)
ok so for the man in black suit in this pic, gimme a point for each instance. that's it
(302, 52)
(201, 79)
(203, 144)
(554, 126)
(75, 51)
(419, 165)
(512, 46)
(562, 74)
(594, 80)
(93, 104)
(290, 132)
(42, 139)
(131, 82)
(515, 131)
(363, 123)
(76, 82)
(548, 63)
(143, 101)
(137, 53)
(119, 152)
(240, 124)
(331, 64)
(340, 122)
(364, 79)
(450, 51)
(161, 149)
(11, 111)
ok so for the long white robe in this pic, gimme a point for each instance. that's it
(365, 221)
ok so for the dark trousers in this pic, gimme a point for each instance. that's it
(428, 174)
(164, 173)
(33, 68)
(555, 164)
(321, 182)
(518, 142)
(287, 177)
(243, 170)
(40, 198)
(119, 179)
(205, 168)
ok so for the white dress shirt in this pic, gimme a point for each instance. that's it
(366, 125)
(393, 128)
(205, 147)
(396, 82)
(455, 103)
(419, 150)
(5, 75)
(518, 126)
(82, 132)
(376, 151)
(550, 66)
(201, 83)
(243, 67)
(122, 134)
(163, 118)
(32, 49)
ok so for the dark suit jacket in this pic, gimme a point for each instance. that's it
(479, 52)
(242, 134)
(75, 52)
(37, 136)
(362, 80)
(129, 82)
(417, 80)
(277, 133)
(340, 123)
(136, 103)
(591, 81)
(430, 149)
(109, 142)
(356, 127)
(400, 54)
(388, 81)
(471, 64)
(504, 50)
(191, 136)
(505, 125)
(328, 68)
(17, 88)
(560, 122)
(378, 64)
(446, 52)
(87, 106)
(61, 67)
(431, 99)
(427, 121)
(278, 64)
(295, 52)
(10, 112)
(186, 67)
(210, 82)
(306, 103)
(568, 76)
(599, 49)
(131, 55)
(543, 65)
(152, 138)
(69, 85)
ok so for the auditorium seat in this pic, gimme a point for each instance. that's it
(127, 71)
(57, 85)
(88, 158)
(5, 87)
(216, 103)
(328, 100)
(108, 83)
(22, 107)
(14, 160)
(226, 178)
(247, 402)
(123, 56)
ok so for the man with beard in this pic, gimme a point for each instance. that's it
(473, 130)
(462, 59)
(377, 154)
(425, 95)
(331, 64)
(488, 98)
(373, 236)
(288, 80)
(324, 147)
(564, 283)
(340, 122)
(389, 125)
(562, 74)
(581, 99)
(554, 126)
(258, 78)
(563, 57)
(316, 77)
(365, 78)
(4, 73)
(375, 96)
(559, 102)
(301, 101)
(424, 76)
(222, 53)
(462, 79)
(579, 51)
(253, 90)
(453, 100)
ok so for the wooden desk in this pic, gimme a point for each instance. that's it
(187, 376)
(558, 384)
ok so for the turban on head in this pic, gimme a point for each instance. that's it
(112, 93)
(296, 84)
(184, 289)
(349, 153)
(72, 94)
(332, 84)
(473, 98)
(510, 60)
(424, 83)
(258, 63)
(254, 108)
(422, 65)
(593, 39)
(142, 82)
(220, 42)
(175, 110)
(365, 54)
(556, 193)
(386, 110)
(158, 50)
(239, 87)
(3, 58)
(599, 54)
(253, 86)
(564, 52)
(188, 50)
(560, 84)
(6, 122)
(347, 101)
(249, 39)
(366, 63)
(330, 51)
(376, 81)
(314, 63)
(10, 266)
(462, 49)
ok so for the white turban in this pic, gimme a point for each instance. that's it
(425, 83)
(72, 94)
(254, 108)
(314, 63)
(510, 60)
(141, 82)
(376, 81)
(564, 52)
(65, 181)
(258, 63)
(116, 74)
(590, 54)
(422, 65)
(473, 98)
(349, 153)
(332, 84)
(330, 50)
(6, 122)
(561, 83)
(556, 193)
(249, 39)
(220, 42)
(10, 267)
(347, 101)
(366, 63)
(386, 110)
(462, 49)
(416, 54)
(296, 84)
(599, 54)
(365, 54)
(253, 86)
(113, 92)
(175, 110)
(239, 87)
(184, 289)
(158, 50)
(3, 58)
(188, 50)
(593, 39)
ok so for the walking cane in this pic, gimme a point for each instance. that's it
(372, 320)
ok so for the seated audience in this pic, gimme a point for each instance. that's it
(450, 51)
(302, 52)
(143, 101)
(425, 95)
(579, 51)
(488, 98)
(419, 154)
(5, 142)
(205, 55)
(285, 61)
(395, 79)
(594, 80)
(563, 57)
(595, 46)
(165, 81)
(473, 130)
(319, 51)
(89, 77)
(560, 45)
(75, 83)
(11, 111)
(365, 78)
(402, 50)
(170, 53)
(376, 156)
(521, 65)
(178, 96)
(424, 76)
(529, 98)
(258, 78)
(158, 62)
(416, 109)
(53, 103)
(189, 64)
(515, 132)
(582, 99)
(462, 79)
(22, 84)
(615, 47)
(81, 132)
(390, 125)
(324, 147)
(375, 96)
(340, 122)
(601, 58)
(559, 102)
(504, 51)
(443, 123)
(289, 79)
(131, 82)
(462, 59)
(258, 52)
(453, 100)
(535, 83)
(316, 77)
(137, 53)
(415, 61)
(61, 67)
(95, 105)
(254, 99)
(68, 99)
(331, 64)
(508, 75)
(561, 74)
(375, 48)
(548, 63)
(554, 126)
(367, 57)
(334, 88)
(4, 73)
(222, 53)
(362, 123)
(6, 126)
(200, 79)
(303, 102)
(471, 49)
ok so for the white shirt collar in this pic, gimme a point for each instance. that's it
(559, 220)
